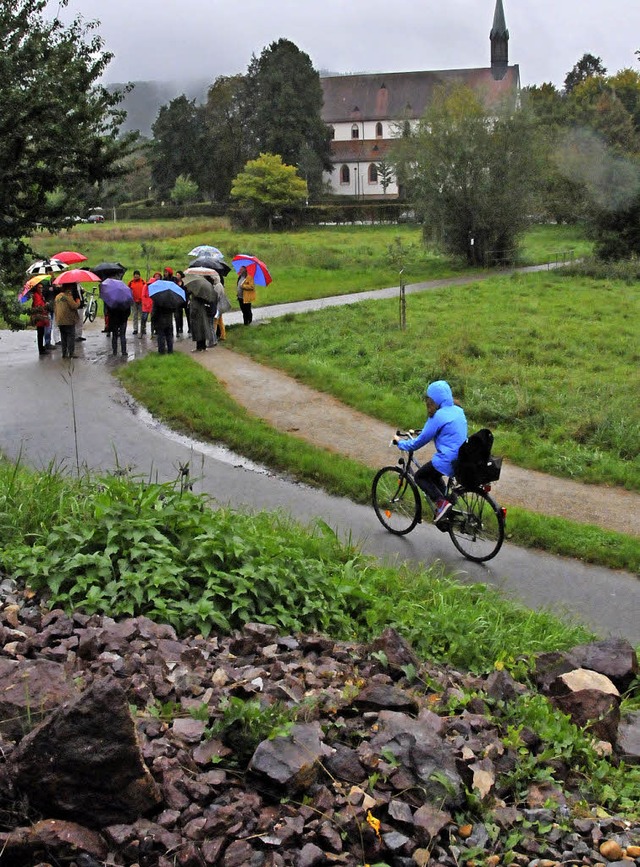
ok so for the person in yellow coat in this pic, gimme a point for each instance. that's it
(246, 292)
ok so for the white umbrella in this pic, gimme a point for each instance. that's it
(206, 250)
(45, 266)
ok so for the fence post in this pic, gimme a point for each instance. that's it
(403, 303)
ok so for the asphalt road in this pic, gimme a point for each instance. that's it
(75, 414)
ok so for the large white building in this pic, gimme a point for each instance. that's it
(366, 112)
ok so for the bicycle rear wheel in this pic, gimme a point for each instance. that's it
(92, 310)
(396, 500)
(476, 525)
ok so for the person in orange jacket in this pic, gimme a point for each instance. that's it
(137, 286)
(147, 306)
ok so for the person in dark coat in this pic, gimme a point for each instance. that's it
(162, 324)
(118, 318)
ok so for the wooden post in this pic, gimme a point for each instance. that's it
(403, 303)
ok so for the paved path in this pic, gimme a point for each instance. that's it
(79, 416)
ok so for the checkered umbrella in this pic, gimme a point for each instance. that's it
(45, 266)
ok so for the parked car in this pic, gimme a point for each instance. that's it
(95, 218)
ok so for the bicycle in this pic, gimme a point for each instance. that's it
(475, 522)
(91, 306)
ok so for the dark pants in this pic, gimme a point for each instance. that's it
(40, 337)
(430, 481)
(164, 335)
(68, 340)
(247, 312)
(179, 318)
(119, 333)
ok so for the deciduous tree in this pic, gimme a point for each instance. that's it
(283, 109)
(266, 185)
(474, 173)
(179, 143)
(58, 125)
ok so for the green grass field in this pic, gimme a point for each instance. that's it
(313, 263)
(533, 357)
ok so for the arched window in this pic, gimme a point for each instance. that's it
(355, 131)
(378, 130)
(373, 173)
(332, 132)
(345, 175)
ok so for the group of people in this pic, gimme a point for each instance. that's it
(56, 312)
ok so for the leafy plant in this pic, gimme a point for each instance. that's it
(243, 724)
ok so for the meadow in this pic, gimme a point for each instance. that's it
(531, 356)
(312, 263)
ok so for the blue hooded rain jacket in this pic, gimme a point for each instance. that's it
(447, 428)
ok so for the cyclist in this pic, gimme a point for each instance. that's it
(446, 425)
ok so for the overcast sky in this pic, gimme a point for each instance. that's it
(201, 39)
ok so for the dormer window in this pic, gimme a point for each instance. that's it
(355, 131)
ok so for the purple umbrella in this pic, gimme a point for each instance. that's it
(115, 293)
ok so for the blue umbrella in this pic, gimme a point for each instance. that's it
(166, 286)
(166, 295)
(115, 293)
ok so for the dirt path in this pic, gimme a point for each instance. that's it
(322, 420)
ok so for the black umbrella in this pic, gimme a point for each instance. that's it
(200, 288)
(110, 269)
(208, 262)
(166, 299)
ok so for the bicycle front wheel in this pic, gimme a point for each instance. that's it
(92, 310)
(396, 500)
(476, 525)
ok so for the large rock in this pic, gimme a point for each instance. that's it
(590, 699)
(418, 748)
(37, 842)
(28, 689)
(84, 761)
(613, 657)
(628, 746)
(291, 761)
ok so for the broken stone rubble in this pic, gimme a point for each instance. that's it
(369, 744)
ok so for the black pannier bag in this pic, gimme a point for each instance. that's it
(475, 465)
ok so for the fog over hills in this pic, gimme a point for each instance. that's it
(146, 98)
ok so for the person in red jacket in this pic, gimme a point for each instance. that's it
(137, 286)
(39, 317)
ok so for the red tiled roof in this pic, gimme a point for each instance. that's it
(398, 95)
(357, 150)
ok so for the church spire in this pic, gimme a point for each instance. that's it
(499, 37)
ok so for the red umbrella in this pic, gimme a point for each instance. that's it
(76, 275)
(254, 266)
(70, 257)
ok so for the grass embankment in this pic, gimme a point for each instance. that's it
(311, 263)
(125, 548)
(206, 411)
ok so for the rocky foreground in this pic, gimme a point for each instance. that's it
(122, 745)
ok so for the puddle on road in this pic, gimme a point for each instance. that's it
(218, 453)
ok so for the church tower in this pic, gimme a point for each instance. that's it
(499, 37)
